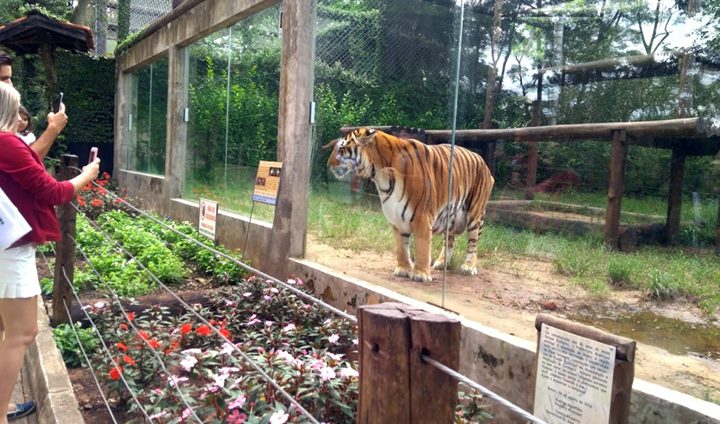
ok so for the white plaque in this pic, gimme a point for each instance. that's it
(574, 378)
(208, 218)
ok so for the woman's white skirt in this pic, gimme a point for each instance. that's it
(18, 273)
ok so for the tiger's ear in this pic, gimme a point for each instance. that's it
(331, 144)
(368, 137)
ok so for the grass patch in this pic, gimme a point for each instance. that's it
(343, 219)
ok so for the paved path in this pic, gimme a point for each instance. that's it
(22, 393)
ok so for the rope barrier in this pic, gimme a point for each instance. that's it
(87, 360)
(136, 330)
(247, 359)
(107, 351)
(485, 391)
(230, 258)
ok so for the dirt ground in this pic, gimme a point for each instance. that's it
(509, 296)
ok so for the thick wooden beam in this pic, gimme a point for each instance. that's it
(616, 186)
(65, 249)
(717, 233)
(396, 384)
(294, 135)
(677, 171)
(686, 128)
(532, 153)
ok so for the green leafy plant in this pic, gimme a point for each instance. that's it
(67, 341)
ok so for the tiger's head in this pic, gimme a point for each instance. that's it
(346, 156)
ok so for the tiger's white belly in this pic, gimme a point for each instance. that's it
(392, 208)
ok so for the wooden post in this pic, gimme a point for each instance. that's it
(717, 233)
(616, 186)
(677, 170)
(532, 154)
(396, 385)
(65, 249)
(294, 135)
(624, 372)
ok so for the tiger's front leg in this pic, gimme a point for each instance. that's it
(402, 252)
(423, 238)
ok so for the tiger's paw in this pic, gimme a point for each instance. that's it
(401, 272)
(423, 277)
(439, 264)
(468, 269)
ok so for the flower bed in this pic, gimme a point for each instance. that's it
(179, 369)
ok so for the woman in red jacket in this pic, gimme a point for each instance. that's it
(35, 193)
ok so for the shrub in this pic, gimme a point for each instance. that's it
(67, 341)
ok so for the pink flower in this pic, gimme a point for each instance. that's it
(188, 362)
(236, 417)
(238, 403)
(186, 413)
(333, 339)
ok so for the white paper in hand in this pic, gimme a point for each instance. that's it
(12, 224)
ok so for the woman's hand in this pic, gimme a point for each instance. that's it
(92, 169)
(89, 173)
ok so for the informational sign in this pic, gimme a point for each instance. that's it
(574, 378)
(267, 182)
(208, 218)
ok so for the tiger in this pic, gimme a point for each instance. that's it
(412, 181)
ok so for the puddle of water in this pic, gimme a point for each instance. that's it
(675, 336)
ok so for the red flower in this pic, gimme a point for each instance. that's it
(143, 335)
(128, 360)
(185, 328)
(203, 330)
(121, 346)
(81, 201)
(173, 345)
(123, 326)
(154, 343)
(224, 331)
(131, 316)
(97, 203)
(115, 373)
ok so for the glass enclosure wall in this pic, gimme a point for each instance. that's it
(233, 90)
(411, 66)
(145, 150)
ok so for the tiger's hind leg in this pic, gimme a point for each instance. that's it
(402, 252)
(469, 267)
(445, 254)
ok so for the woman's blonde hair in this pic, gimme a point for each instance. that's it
(9, 106)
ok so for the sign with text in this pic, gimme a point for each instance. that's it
(208, 218)
(267, 182)
(574, 378)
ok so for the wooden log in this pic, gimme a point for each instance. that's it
(533, 152)
(674, 207)
(624, 372)
(396, 385)
(143, 303)
(384, 335)
(616, 185)
(685, 128)
(65, 249)
(434, 394)
(717, 232)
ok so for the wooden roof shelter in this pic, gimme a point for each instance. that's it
(37, 33)
(686, 137)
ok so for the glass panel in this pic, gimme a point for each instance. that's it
(525, 64)
(147, 122)
(233, 85)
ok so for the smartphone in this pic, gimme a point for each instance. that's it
(93, 154)
(57, 102)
